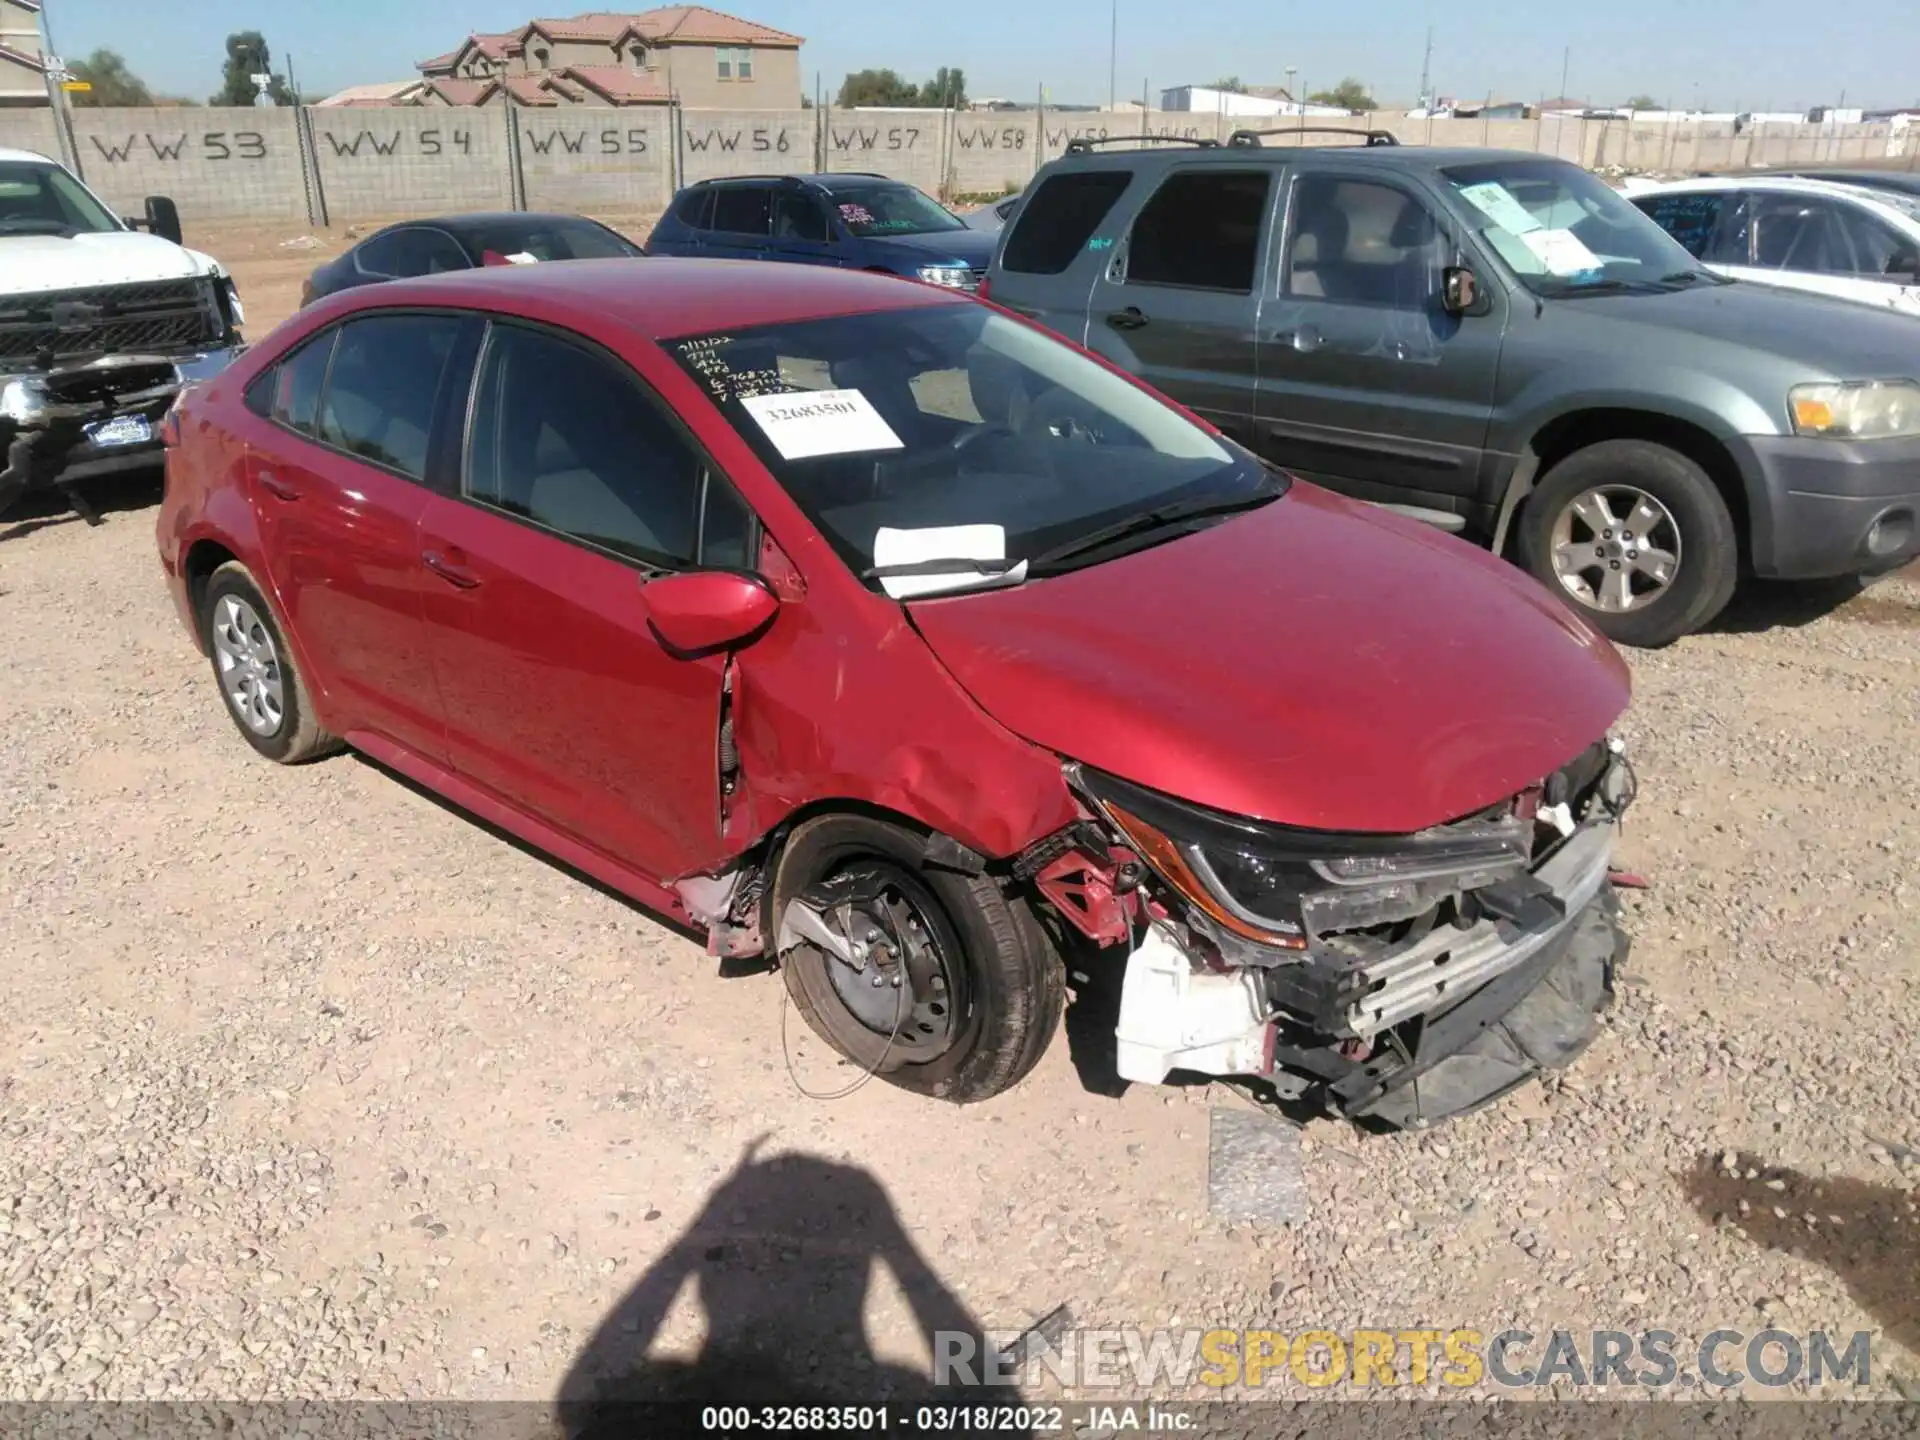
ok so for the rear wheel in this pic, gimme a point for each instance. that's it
(1634, 536)
(934, 980)
(264, 693)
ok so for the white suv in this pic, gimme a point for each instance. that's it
(1817, 235)
(100, 327)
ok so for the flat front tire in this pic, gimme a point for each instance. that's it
(1634, 536)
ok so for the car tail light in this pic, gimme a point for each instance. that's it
(170, 427)
(985, 292)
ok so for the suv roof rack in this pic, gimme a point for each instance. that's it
(1086, 144)
(1250, 139)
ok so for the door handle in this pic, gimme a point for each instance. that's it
(1127, 319)
(1306, 339)
(275, 486)
(450, 572)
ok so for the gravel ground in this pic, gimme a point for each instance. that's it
(312, 1087)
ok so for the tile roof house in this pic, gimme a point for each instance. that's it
(387, 92)
(702, 57)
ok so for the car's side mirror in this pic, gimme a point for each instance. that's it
(163, 218)
(1905, 264)
(1459, 290)
(707, 610)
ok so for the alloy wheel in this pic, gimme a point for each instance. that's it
(1615, 548)
(250, 673)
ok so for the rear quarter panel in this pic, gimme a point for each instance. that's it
(205, 497)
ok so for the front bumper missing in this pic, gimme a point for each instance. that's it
(55, 422)
(1440, 1024)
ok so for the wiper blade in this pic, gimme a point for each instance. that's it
(33, 225)
(1148, 521)
(938, 566)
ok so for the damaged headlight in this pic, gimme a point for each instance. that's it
(1278, 887)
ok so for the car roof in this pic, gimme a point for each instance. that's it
(659, 297)
(28, 156)
(829, 181)
(1279, 151)
(1776, 185)
(479, 218)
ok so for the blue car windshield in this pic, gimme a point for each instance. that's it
(876, 211)
(1563, 231)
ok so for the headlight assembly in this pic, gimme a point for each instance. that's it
(1278, 887)
(1856, 409)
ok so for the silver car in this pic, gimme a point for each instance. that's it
(994, 216)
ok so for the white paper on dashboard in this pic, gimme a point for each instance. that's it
(523, 257)
(805, 423)
(1561, 251)
(941, 542)
(1496, 202)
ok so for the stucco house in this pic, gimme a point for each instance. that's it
(23, 75)
(702, 57)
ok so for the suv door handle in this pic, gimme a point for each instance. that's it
(1127, 319)
(1306, 339)
(275, 486)
(449, 572)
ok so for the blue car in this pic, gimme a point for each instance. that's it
(859, 222)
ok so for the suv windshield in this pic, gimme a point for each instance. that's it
(880, 210)
(45, 200)
(952, 432)
(1565, 232)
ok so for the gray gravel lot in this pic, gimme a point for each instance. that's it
(310, 1086)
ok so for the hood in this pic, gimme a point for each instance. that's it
(30, 264)
(1315, 663)
(1822, 334)
(953, 247)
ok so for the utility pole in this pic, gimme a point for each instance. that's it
(1113, 59)
(1426, 74)
(1566, 59)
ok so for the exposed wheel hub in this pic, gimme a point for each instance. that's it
(887, 954)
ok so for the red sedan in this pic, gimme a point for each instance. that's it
(870, 630)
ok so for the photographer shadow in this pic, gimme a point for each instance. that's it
(781, 1258)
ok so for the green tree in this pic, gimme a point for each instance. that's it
(1349, 94)
(113, 84)
(1644, 102)
(1229, 83)
(947, 90)
(876, 87)
(247, 56)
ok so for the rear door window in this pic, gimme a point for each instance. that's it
(696, 211)
(298, 380)
(1201, 231)
(381, 388)
(1059, 218)
(743, 210)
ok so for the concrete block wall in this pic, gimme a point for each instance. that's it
(340, 165)
(744, 142)
(404, 160)
(602, 162)
(213, 163)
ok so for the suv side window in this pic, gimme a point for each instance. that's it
(380, 391)
(798, 217)
(1359, 242)
(566, 437)
(1799, 232)
(743, 210)
(1201, 231)
(696, 211)
(1060, 217)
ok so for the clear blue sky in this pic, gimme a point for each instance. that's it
(1721, 54)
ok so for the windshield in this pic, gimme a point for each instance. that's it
(891, 210)
(553, 240)
(45, 200)
(914, 437)
(1563, 231)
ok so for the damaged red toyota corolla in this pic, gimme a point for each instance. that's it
(869, 629)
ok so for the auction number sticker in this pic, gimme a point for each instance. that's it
(806, 423)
